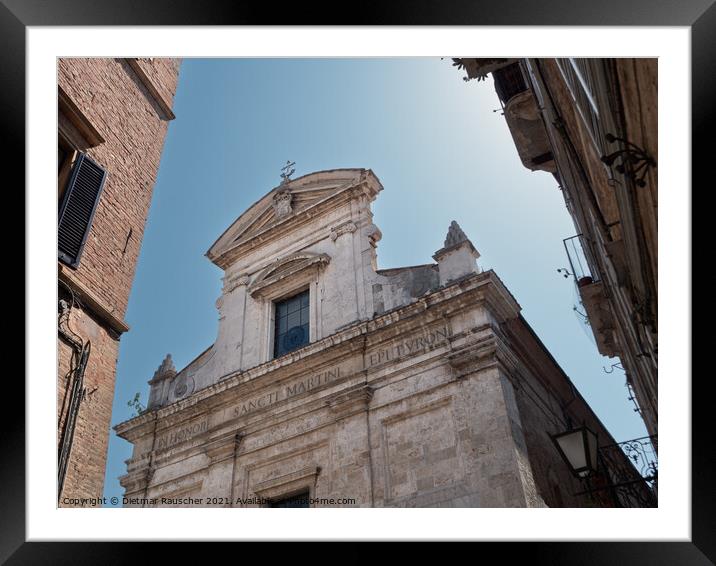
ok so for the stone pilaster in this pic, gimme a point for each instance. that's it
(221, 454)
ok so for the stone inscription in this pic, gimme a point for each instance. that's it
(287, 391)
(405, 348)
(185, 433)
(409, 347)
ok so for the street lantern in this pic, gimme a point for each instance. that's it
(578, 448)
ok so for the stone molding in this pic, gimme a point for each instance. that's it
(287, 267)
(346, 228)
(134, 482)
(223, 447)
(473, 357)
(77, 119)
(91, 302)
(183, 491)
(351, 401)
(481, 348)
(163, 104)
(235, 281)
(305, 478)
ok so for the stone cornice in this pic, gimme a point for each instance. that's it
(467, 357)
(78, 119)
(223, 447)
(136, 427)
(345, 228)
(162, 102)
(479, 348)
(134, 482)
(302, 476)
(239, 280)
(446, 250)
(350, 401)
(92, 302)
(290, 265)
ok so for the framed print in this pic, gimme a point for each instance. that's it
(433, 242)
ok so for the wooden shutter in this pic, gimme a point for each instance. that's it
(77, 209)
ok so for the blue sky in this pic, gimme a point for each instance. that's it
(436, 143)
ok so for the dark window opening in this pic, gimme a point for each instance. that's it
(509, 82)
(298, 500)
(291, 324)
(66, 155)
(62, 156)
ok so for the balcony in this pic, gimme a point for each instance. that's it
(509, 82)
(583, 269)
(524, 118)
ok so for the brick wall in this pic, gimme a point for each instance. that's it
(85, 472)
(122, 108)
(119, 106)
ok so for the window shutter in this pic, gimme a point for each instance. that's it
(78, 208)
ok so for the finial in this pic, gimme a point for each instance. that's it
(455, 235)
(458, 257)
(287, 171)
(166, 367)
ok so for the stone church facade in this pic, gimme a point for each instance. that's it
(337, 383)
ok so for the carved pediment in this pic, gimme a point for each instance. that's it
(286, 267)
(283, 205)
(287, 202)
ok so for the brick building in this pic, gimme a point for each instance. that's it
(112, 119)
(592, 123)
(332, 382)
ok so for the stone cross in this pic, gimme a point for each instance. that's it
(287, 171)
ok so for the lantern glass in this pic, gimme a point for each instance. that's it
(579, 449)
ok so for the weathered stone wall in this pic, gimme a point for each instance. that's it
(549, 404)
(414, 409)
(412, 391)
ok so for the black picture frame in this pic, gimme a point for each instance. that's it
(699, 15)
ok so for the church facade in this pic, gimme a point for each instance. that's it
(334, 383)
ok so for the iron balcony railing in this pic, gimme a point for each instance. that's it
(634, 480)
(582, 263)
(628, 471)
